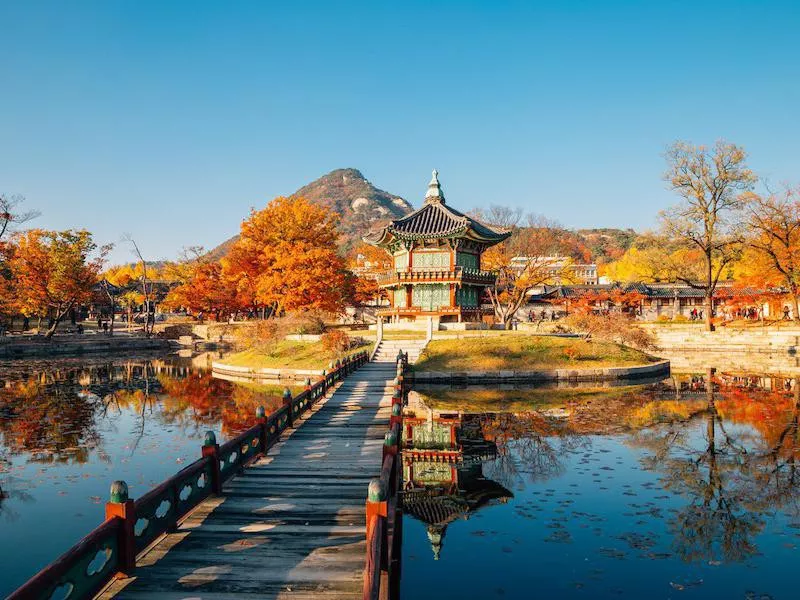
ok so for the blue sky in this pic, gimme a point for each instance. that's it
(169, 120)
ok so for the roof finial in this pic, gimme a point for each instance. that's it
(434, 193)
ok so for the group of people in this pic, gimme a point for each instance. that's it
(553, 315)
(696, 315)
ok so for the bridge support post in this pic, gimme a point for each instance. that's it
(211, 450)
(397, 414)
(287, 402)
(119, 505)
(390, 442)
(261, 417)
(375, 574)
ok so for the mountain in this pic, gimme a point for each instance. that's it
(360, 205)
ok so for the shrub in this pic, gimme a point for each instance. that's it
(680, 319)
(613, 327)
(262, 335)
(305, 323)
(664, 318)
(571, 352)
(335, 341)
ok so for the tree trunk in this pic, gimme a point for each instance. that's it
(708, 304)
(60, 314)
(111, 327)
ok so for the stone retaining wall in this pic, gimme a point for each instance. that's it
(221, 368)
(654, 370)
(37, 346)
(752, 339)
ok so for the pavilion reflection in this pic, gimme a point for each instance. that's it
(443, 456)
(726, 445)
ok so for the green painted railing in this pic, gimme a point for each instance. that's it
(131, 526)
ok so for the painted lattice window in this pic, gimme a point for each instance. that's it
(430, 435)
(401, 261)
(467, 296)
(432, 472)
(431, 296)
(467, 260)
(400, 298)
(431, 260)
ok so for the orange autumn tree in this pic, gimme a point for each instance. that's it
(206, 290)
(52, 271)
(774, 223)
(286, 259)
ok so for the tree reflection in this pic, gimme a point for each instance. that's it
(530, 445)
(51, 422)
(732, 457)
(53, 413)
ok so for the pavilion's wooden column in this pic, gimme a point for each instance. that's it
(409, 295)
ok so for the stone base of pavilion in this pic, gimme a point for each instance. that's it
(633, 374)
(422, 325)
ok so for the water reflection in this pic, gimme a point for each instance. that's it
(683, 477)
(70, 427)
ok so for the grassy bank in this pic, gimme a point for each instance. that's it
(289, 355)
(526, 353)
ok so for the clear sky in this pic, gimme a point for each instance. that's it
(169, 120)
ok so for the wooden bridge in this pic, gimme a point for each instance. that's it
(281, 511)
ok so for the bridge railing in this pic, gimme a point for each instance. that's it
(383, 511)
(131, 526)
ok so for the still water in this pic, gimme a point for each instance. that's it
(69, 428)
(688, 488)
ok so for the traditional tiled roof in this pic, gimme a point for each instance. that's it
(435, 510)
(104, 285)
(648, 290)
(436, 220)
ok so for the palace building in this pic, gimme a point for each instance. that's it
(436, 252)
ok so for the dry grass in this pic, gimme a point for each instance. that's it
(290, 355)
(526, 353)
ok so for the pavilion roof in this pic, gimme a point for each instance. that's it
(435, 219)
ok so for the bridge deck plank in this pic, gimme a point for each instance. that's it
(292, 523)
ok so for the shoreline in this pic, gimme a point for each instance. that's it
(225, 371)
(634, 372)
(39, 347)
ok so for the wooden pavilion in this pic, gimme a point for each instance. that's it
(436, 253)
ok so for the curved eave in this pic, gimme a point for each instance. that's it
(379, 238)
(488, 240)
(388, 234)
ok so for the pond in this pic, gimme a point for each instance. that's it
(686, 488)
(68, 428)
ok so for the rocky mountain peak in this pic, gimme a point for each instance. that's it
(360, 205)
